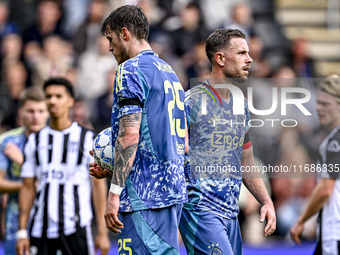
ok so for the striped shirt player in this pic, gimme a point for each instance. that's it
(62, 205)
(12, 169)
(148, 85)
(213, 176)
(329, 216)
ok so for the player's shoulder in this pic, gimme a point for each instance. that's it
(76, 127)
(334, 141)
(11, 134)
(194, 91)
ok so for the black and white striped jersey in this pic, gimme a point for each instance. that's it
(59, 160)
(329, 162)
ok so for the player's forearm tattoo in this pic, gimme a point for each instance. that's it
(124, 157)
(130, 120)
(123, 164)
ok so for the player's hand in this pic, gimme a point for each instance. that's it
(268, 212)
(296, 231)
(102, 243)
(97, 172)
(14, 153)
(111, 213)
(23, 246)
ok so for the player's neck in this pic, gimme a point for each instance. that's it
(138, 46)
(333, 125)
(219, 78)
(27, 132)
(60, 123)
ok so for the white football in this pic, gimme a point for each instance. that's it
(102, 149)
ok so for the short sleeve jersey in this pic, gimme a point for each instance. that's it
(146, 84)
(59, 160)
(329, 160)
(216, 136)
(17, 137)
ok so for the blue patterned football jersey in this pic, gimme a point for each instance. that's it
(157, 178)
(16, 136)
(213, 172)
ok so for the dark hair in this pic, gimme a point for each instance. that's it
(32, 93)
(130, 16)
(220, 39)
(60, 81)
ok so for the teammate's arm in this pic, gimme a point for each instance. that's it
(7, 185)
(14, 153)
(26, 198)
(320, 195)
(99, 190)
(125, 153)
(254, 183)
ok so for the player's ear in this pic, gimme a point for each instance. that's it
(71, 102)
(125, 34)
(220, 58)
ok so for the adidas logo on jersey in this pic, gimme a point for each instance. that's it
(333, 146)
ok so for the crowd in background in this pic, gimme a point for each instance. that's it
(40, 39)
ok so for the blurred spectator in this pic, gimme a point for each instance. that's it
(72, 76)
(47, 23)
(15, 82)
(291, 191)
(93, 69)
(23, 12)
(11, 52)
(74, 15)
(260, 67)
(200, 67)
(101, 115)
(55, 60)
(264, 91)
(11, 49)
(241, 19)
(81, 114)
(155, 16)
(6, 26)
(85, 36)
(192, 30)
(303, 64)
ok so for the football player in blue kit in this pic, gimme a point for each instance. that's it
(148, 130)
(33, 115)
(219, 147)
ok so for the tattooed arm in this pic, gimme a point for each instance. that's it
(125, 153)
(126, 146)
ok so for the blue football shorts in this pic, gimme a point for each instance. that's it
(210, 234)
(151, 231)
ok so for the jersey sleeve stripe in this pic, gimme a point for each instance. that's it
(81, 145)
(61, 208)
(37, 135)
(209, 95)
(50, 147)
(66, 137)
(45, 217)
(76, 204)
(120, 77)
(247, 145)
